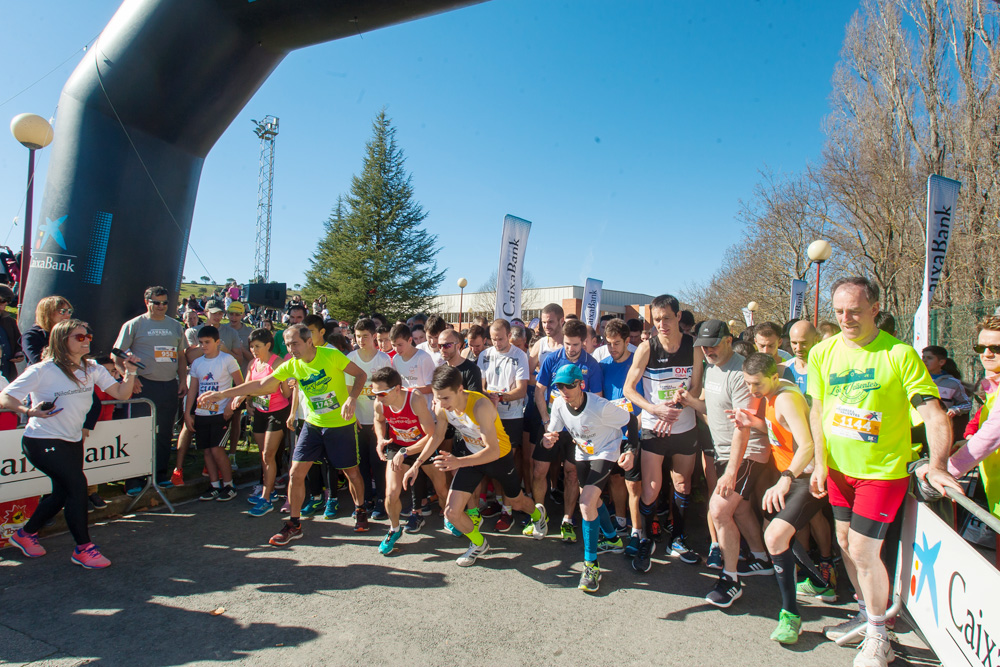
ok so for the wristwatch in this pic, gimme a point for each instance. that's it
(788, 473)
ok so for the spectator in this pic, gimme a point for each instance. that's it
(50, 311)
(10, 336)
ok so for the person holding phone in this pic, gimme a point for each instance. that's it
(61, 388)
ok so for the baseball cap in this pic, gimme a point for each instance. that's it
(237, 307)
(567, 374)
(213, 306)
(711, 333)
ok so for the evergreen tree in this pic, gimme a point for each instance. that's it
(375, 255)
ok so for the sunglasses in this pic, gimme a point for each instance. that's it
(65, 311)
(572, 385)
(446, 346)
(82, 337)
(381, 393)
(159, 303)
(979, 349)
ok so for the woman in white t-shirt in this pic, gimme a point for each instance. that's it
(61, 388)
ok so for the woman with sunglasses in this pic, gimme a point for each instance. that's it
(49, 312)
(61, 388)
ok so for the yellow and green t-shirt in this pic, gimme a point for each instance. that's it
(323, 384)
(866, 396)
(989, 468)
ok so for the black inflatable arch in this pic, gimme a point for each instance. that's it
(177, 72)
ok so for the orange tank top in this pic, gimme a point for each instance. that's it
(782, 442)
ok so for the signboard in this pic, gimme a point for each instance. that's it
(942, 198)
(513, 245)
(116, 449)
(592, 301)
(797, 299)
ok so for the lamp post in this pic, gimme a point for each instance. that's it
(752, 307)
(33, 132)
(462, 282)
(818, 251)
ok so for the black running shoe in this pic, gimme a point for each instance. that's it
(642, 562)
(754, 566)
(726, 591)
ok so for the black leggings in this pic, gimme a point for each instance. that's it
(62, 461)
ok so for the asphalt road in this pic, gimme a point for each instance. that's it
(331, 599)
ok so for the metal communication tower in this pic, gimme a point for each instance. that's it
(267, 131)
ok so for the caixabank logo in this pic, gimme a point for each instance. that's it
(48, 244)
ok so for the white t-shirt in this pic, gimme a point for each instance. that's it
(596, 431)
(215, 374)
(436, 356)
(364, 410)
(417, 372)
(46, 382)
(501, 372)
(603, 353)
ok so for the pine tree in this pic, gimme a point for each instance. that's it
(375, 255)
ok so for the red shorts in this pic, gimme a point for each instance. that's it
(875, 499)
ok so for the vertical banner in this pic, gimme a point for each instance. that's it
(747, 316)
(512, 247)
(592, 301)
(797, 299)
(942, 196)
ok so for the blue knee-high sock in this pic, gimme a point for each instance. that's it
(679, 509)
(590, 529)
(646, 512)
(607, 526)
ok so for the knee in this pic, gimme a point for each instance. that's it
(845, 545)
(452, 512)
(774, 542)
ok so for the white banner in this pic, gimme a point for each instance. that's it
(945, 584)
(748, 317)
(797, 299)
(942, 196)
(116, 449)
(592, 301)
(512, 247)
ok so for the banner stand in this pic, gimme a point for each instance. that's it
(151, 480)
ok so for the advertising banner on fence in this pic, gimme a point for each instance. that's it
(513, 243)
(949, 589)
(942, 196)
(797, 299)
(592, 301)
(116, 449)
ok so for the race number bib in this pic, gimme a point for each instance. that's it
(624, 404)
(262, 403)
(324, 403)
(856, 424)
(165, 354)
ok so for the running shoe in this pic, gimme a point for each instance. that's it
(281, 482)
(679, 549)
(835, 632)
(341, 482)
(27, 543)
(331, 509)
(810, 590)
(89, 557)
(621, 526)
(388, 544)
(261, 508)
(312, 505)
(288, 532)
(97, 502)
(642, 562)
(210, 494)
(286, 508)
(133, 491)
(540, 528)
(425, 509)
(656, 531)
(378, 512)
(226, 494)
(491, 510)
(875, 652)
(177, 477)
(789, 628)
(632, 548)
(725, 592)
(829, 572)
(505, 521)
(204, 472)
(714, 559)
(754, 566)
(360, 520)
(415, 523)
(567, 532)
(590, 580)
(165, 484)
(450, 527)
(232, 462)
(608, 546)
(472, 553)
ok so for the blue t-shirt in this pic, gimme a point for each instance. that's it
(614, 374)
(592, 376)
(801, 379)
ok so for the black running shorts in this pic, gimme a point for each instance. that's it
(594, 472)
(685, 444)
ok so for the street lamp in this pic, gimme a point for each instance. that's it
(33, 132)
(462, 282)
(819, 251)
(752, 307)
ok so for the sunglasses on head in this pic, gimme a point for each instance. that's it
(82, 337)
(159, 303)
(979, 349)
(571, 385)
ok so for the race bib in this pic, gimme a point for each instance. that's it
(165, 354)
(624, 404)
(368, 391)
(262, 403)
(324, 403)
(856, 424)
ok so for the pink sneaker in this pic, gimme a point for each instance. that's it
(28, 544)
(89, 557)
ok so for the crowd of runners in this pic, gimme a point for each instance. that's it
(802, 441)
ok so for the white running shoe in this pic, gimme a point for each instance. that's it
(472, 553)
(540, 528)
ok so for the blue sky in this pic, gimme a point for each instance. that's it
(627, 132)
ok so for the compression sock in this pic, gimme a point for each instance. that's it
(536, 514)
(679, 508)
(607, 525)
(475, 536)
(590, 529)
(784, 572)
(294, 520)
(646, 512)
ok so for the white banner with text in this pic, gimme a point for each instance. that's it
(797, 299)
(942, 197)
(512, 246)
(592, 301)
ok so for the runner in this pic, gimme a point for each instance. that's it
(802, 338)
(862, 382)
(595, 426)
(435, 325)
(482, 451)
(368, 358)
(668, 361)
(767, 339)
(411, 427)
(416, 367)
(329, 431)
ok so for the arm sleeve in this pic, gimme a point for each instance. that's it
(90, 421)
(982, 444)
(632, 444)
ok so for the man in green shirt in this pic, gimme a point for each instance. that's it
(329, 432)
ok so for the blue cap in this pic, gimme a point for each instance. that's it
(567, 374)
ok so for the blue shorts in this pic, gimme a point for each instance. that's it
(338, 445)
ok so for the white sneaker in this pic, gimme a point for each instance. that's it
(472, 553)
(875, 652)
(541, 527)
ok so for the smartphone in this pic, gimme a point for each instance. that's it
(46, 406)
